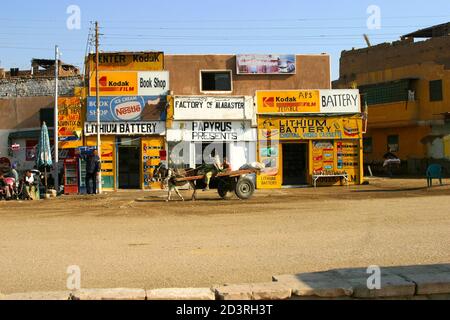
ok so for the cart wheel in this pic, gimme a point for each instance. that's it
(244, 188)
(225, 189)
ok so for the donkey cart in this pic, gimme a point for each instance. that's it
(226, 183)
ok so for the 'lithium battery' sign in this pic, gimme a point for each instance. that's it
(126, 128)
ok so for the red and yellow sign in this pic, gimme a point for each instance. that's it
(296, 101)
(128, 61)
(309, 128)
(120, 83)
(70, 123)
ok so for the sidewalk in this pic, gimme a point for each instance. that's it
(421, 282)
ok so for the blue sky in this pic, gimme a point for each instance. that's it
(30, 29)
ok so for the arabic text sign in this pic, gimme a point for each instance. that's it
(126, 128)
(127, 61)
(209, 108)
(135, 108)
(266, 64)
(124, 83)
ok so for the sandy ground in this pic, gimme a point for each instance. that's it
(136, 239)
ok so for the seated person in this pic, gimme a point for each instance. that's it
(31, 186)
(209, 170)
(4, 189)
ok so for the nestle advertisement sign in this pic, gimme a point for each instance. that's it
(266, 64)
(121, 109)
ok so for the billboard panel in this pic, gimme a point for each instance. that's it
(266, 64)
(308, 101)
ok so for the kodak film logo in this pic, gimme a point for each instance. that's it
(115, 84)
(269, 102)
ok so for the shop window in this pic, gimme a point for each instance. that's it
(393, 143)
(368, 145)
(30, 150)
(216, 81)
(387, 92)
(436, 90)
(47, 116)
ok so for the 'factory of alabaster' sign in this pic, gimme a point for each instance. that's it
(212, 108)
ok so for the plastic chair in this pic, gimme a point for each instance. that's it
(434, 171)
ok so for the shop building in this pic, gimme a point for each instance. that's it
(205, 124)
(213, 101)
(133, 91)
(307, 135)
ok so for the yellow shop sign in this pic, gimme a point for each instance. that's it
(296, 101)
(309, 128)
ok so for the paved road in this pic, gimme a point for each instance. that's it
(120, 242)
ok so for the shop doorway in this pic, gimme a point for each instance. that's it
(295, 164)
(203, 151)
(129, 163)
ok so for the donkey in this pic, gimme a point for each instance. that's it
(169, 180)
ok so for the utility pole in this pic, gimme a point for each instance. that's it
(56, 119)
(97, 93)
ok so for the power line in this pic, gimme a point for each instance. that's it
(236, 20)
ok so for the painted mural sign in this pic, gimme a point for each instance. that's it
(127, 61)
(70, 122)
(135, 108)
(125, 128)
(130, 83)
(213, 108)
(308, 101)
(309, 128)
(266, 64)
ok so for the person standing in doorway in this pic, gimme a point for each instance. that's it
(93, 167)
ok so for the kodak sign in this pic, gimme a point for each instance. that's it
(114, 84)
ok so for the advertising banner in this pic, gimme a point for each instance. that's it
(126, 128)
(266, 64)
(129, 83)
(212, 131)
(137, 108)
(152, 149)
(211, 108)
(309, 128)
(127, 61)
(70, 123)
(308, 101)
(296, 101)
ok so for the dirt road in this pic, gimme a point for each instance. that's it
(135, 239)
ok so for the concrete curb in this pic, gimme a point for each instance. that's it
(415, 282)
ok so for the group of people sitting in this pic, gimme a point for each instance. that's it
(14, 188)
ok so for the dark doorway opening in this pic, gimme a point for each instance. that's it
(295, 164)
(129, 164)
